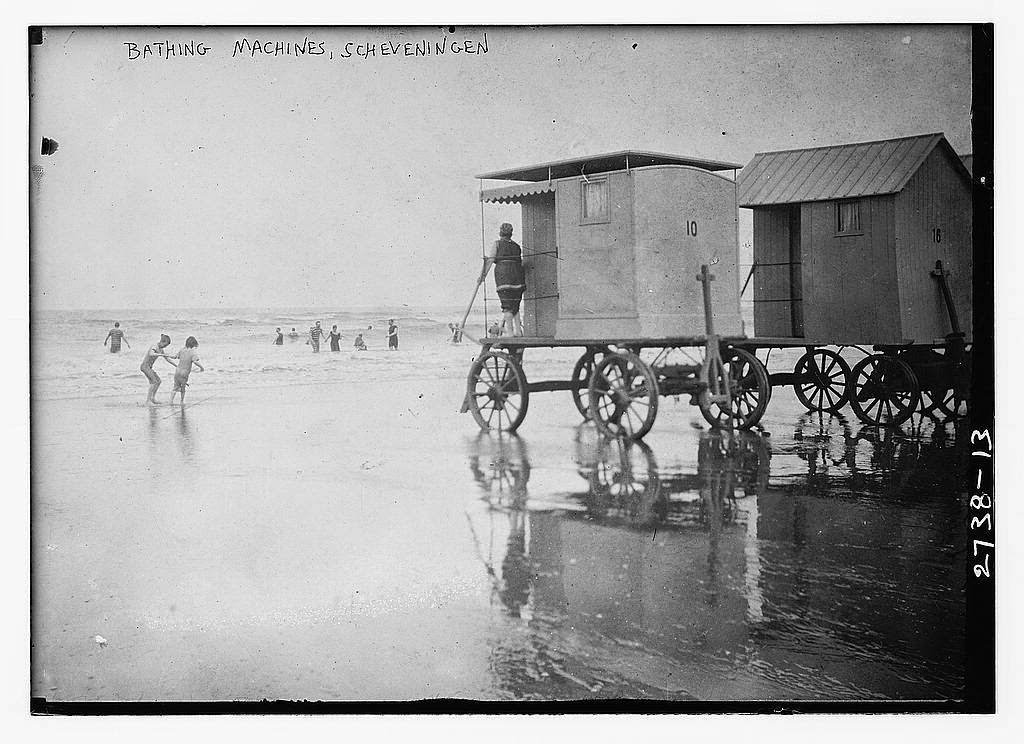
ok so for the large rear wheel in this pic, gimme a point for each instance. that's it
(581, 375)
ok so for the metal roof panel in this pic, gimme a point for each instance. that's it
(863, 185)
(890, 172)
(823, 171)
(799, 165)
(839, 172)
(835, 172)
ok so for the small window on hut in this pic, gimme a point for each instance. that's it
(594, 201)
(848, 218)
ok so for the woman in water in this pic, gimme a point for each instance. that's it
(335, 338)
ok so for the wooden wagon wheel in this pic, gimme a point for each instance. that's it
(749, 391)
(623, 395)
(885, 390)
(823, 382)
(496, 391)
(581, 375)
(951, 400)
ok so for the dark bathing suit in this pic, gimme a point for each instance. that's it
(279, 341)
(393, 339)
(115, 340)
(508, 274)
(335, 339)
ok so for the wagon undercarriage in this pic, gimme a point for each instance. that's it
(612, 385)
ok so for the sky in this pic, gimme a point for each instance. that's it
(233, 180)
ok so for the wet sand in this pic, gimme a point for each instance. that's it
(362, 541)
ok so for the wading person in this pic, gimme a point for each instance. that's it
(186, 358)
(335, 338)
(279, 340)
(147, 366)
(315, 334)
(392, 335)
(507, 258)
(115, 336)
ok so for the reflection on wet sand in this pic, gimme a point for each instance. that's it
(185, 433)
(171, 437)
(725, 581)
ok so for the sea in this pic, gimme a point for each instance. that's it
(69, 359)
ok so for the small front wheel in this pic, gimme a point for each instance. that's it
(623, 396)
(496, 391)
(748, 392)
(823, 380)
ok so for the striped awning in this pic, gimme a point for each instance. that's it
(513, 194)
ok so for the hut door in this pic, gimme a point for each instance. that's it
(796, 293)
(540, 300)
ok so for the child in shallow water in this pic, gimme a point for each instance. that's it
(186, 358)
(146, 367)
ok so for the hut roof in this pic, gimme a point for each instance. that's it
(612, 161)
(837, 172)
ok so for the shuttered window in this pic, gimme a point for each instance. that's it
(848, 218)
(595, 201)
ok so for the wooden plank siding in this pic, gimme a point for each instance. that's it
(937, 197)
(540, 300)
(849, 281)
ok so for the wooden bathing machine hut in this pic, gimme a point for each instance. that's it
(846, 240)
(612, 245)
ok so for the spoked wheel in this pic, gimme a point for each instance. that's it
(749, 391)
(823, 380)
(581, 375)
(949, 400)
(623, 396)
(885, 390)
(496, 391)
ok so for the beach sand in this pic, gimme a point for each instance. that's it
(337, 542)
(305, 529)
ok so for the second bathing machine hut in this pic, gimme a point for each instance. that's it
(868, 244)
(846, 239)
(612, 244)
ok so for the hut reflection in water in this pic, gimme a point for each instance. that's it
(729, 581)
